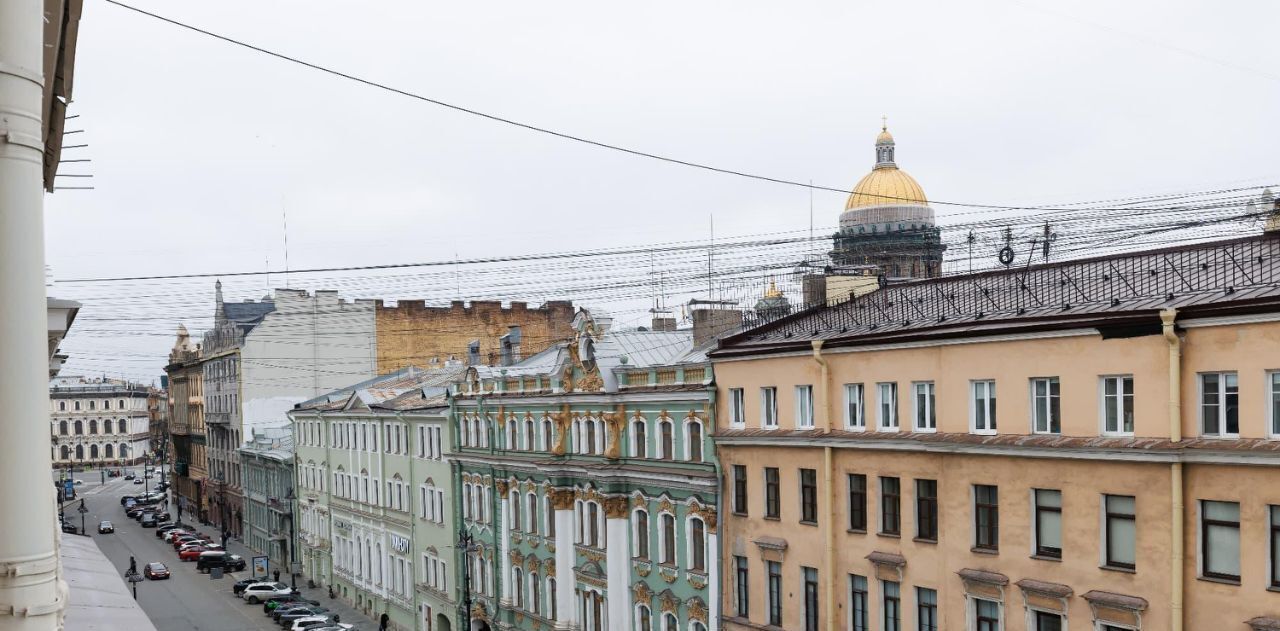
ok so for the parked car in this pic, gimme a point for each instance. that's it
(184, 539)
(156, 571)
(137, 480)
(314, 622)
(148, 520)
(105, 527)
(191, 553)
(287, 616)
(163, 516)
(125, 499)
(256, 592)
(243, 583)
(210, 559)
(129, 476)
(163, 527)
(68, 528)
(337, 626)
(235, 563)
(270, 605)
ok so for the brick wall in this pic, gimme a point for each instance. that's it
(412, 333)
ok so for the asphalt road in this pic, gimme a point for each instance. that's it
(188, 600)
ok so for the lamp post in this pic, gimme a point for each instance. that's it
(468, 545)
(293, 576)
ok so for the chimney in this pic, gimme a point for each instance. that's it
(473, 353)
(713, 319)
(663, 320)
(1273, 222)
(511, 345)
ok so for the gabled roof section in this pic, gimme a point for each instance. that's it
(375, 394)
(1119, 290)
(248, 313)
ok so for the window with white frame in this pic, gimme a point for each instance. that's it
(1046, 409)
(1219, 404)
(1117, 405)
(1120, 531)
(986, 615)
(1273, 401)
(737, 407)
(667, 538)
(640, 534)
(639, 437)
(693, 439)
(983, 412)
(804, 407)
(697, 544)
(887, 406)
(1220, 540)
(926, 418)
(853, 410)
(769, 408)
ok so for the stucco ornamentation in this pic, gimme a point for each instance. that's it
(549, 567)
(616, 507)
(641, 593)
(614, 422)
(697, 610)
(562, 499)
(561, 420)
(527, 486)
(642, 568)
(696, 581)
(665, 505)
(668, 602)
(503, 488)
(638, 500)
(668, 574)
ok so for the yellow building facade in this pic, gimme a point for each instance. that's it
(1084, 445)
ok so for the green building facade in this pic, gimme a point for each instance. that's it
(375, 511)
(587, 484)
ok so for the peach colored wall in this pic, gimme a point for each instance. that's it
(934, 565)
(1251, 350)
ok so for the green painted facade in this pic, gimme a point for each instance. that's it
(588, 486)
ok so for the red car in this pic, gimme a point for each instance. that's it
(192, 553)
(184, 539)
(155, 571)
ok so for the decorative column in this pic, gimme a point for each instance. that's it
(713, 570)
(504, 542)
(566, 608)
(618, 560)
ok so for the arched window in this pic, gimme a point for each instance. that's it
(697, 626)
(122, 404)
(66, 452)
(639, 440)
(591, 437)
(62, 406)
(93, 405)
(697, 544)
(531, 513)
(693, 439)
(511, 435)
(535, 592)
(62, 428)
(514, 502)
(579, 519)
(517, 581)
(466, 501)
(79, 428)
(108, 451)
(640, 528)
(93, 427)
(669, 622)
(79, 452)
(530, 435)
(106, 426)
(122, 451)
(667, 447)
(551, 598)
(600, 436)
(77, 406)
(548, 434)
(378, 578)
(124, 428)
(106, 405)
(644, 618)
(668, 538)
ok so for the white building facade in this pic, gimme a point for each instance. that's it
(95, 422)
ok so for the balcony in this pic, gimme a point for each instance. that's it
(217, 418)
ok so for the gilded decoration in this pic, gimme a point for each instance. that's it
(697, 610)
(665, 505)
(562, 499)
(643, 568)
(551, 546)
(561, 420)
(641, 593)
(549, 567)
(616, 506)
(668, 602)
(566, 379)
(532, 563)
(706, 513)
(696, 581)
(668, 574)
(592, 555)
(638, 500)
(502, 488)
(516, 537)
(614, 422)
(516, 557)
(528, 486)
(478, 612)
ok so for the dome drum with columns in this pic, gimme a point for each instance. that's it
(887, 221)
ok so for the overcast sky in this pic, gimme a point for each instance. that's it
(199, 147)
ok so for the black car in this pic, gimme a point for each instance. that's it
(148, 520)
(287, 617)
(105, 527)
(125, 499)
(66, 527)
(243, 583)
(163, 516)
(129, 476)
(270, 605)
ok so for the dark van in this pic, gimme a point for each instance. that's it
(211, 559)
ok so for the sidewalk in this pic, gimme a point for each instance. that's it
(346, 613)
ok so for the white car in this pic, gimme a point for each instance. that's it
(311, 622)
(258, 591)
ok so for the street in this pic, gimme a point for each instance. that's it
(188, 600)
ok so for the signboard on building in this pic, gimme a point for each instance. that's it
(400, 544)
(260, 567)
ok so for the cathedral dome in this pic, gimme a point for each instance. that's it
(886, 186)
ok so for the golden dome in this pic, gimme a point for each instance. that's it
(886, 186)
(884, 137)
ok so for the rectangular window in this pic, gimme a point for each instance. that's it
(1121, 531)
(853, 417)
(927, 510)
(810, 598)
(986, 517)
(771, 508)
(925, 415)
(1219, 404)
(1046, 621)
(1048, 525)
(984, 407)
(768, 408)
(742, 587)
(1273, 517)
(858, 602)
(892, 608)
(774, 593)
(986, 615)
(1046, 411)
(1273, 400)
(804, 407)
(1220, 539)
(809, 496)
(926, 609)
(890, 506)
(887, 406)
(740, 489)
(1117, 405)
(857, 502)
(737, 407)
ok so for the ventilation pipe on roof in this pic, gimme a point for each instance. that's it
(822, 420)
(1176, 496)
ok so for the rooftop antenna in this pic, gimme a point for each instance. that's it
(284, 210)
(810, 213)
(971, 239)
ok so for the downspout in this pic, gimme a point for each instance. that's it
(822, 420)
(1178, 536)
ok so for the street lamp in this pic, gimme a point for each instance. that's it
(293, 576)
(468, 545)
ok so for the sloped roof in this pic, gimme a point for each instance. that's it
(400, 390)
(247, 312)
(1119, 289)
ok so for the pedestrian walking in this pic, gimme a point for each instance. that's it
(277, 574)
(382, 622)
